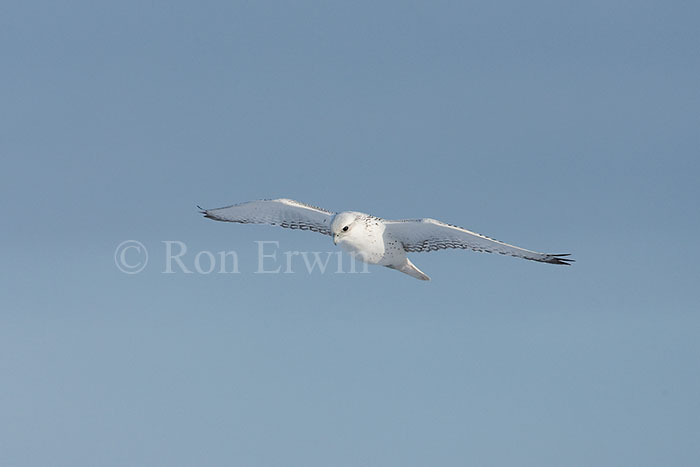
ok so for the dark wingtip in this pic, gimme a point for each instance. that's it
(204, 211)
(559, 259)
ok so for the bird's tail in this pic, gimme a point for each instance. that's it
(407, 267)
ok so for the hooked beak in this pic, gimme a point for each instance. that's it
(335, 239)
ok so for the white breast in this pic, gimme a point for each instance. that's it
(370, 243)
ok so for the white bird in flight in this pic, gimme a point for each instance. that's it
(372, 239)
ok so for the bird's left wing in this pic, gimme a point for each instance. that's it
(431, 235)
(286, 213)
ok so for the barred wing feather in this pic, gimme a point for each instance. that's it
(286, 213)
(430, 235)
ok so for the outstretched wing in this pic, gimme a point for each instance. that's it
(431, 235)
(286, 213)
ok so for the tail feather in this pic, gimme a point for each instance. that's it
(407, 267)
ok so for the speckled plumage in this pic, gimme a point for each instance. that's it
(372, 239)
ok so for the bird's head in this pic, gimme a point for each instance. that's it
(342, 225)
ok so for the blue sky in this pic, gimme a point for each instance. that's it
(559, 127)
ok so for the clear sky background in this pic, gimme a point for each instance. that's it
(556, 126)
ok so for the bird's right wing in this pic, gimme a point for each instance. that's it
(286, 213)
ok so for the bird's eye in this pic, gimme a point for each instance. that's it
(345, 229)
